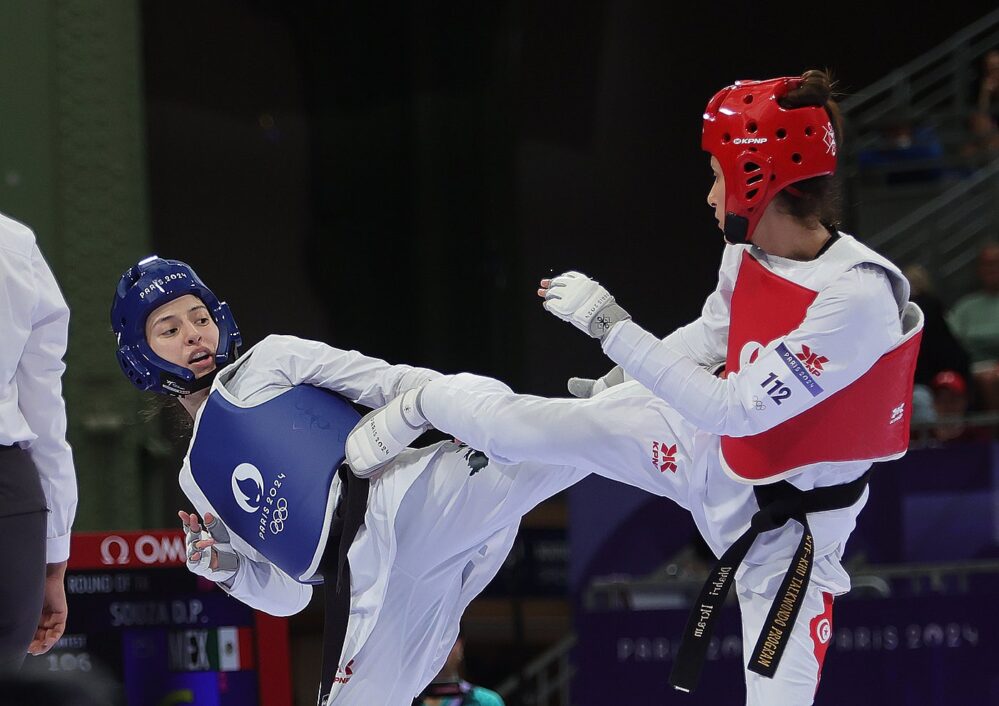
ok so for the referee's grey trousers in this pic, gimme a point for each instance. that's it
(23, 516)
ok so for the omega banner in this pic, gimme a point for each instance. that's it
(137, 616)
(927, 650)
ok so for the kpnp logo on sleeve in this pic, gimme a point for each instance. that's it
(798, 369)
(664, 457)
(812, 360)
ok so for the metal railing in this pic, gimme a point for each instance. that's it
(923, 434)
(937, 83)
(944, 233)
(544, 681)
(928, 577)
(881, 580)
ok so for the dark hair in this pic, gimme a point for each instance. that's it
(167, 411)
(820, 197)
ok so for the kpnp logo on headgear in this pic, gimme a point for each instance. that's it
(247, 487)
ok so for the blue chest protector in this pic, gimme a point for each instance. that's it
(268, 470)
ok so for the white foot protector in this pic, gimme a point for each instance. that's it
(385, 433)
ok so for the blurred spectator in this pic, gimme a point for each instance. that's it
(984, 119)
(975, 321)
(950, 402)
(984, 138)
(905, 152)
(449, 689)
(988, 89)
(940, 350)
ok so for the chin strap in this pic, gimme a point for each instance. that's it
(177, 387)
(736, 229)
(203, 382)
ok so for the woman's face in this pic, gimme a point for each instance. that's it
(181, 332)
(716, 196)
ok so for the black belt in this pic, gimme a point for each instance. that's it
(335, 569)
(779, 502)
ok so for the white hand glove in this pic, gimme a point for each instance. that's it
(587, 387)
(384, 433)
(581, 301)
(209, 552)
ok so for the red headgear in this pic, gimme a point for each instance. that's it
(762, 147)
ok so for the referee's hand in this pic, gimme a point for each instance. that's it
(52, 622)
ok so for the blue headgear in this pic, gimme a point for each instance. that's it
(149, 284)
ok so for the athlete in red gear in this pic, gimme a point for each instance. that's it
(770, 407)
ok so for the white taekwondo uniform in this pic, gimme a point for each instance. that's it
(437, 528)
(669, 441)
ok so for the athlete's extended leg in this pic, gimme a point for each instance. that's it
(797, 676)
(454, 525)
(624, 433)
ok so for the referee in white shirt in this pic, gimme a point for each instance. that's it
(37, 479)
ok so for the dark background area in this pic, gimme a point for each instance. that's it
(395, 177)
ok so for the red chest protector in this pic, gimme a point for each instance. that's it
(866, 421)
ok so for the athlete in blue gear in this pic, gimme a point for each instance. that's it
(403, 553)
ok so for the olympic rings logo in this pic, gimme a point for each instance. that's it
(279, 515)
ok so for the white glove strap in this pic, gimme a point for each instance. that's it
(605, 317)
(411, 412)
